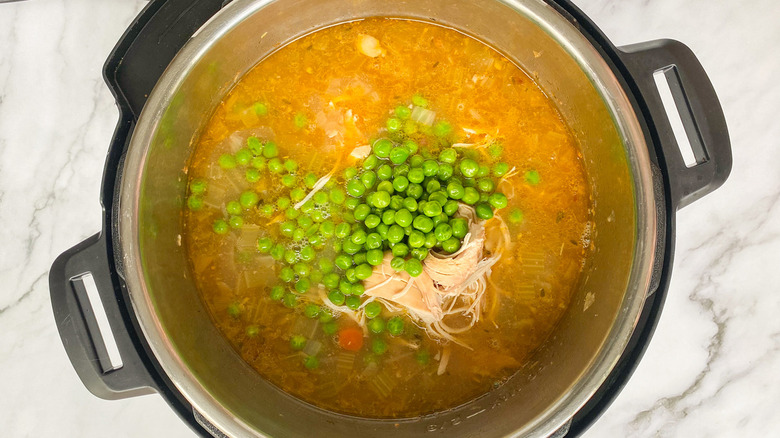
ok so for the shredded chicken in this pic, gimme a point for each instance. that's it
(450, 289)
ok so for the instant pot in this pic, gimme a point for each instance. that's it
(129, 314)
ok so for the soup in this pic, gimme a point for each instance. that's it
(386, 217)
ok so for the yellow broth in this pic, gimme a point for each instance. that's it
(324, 97)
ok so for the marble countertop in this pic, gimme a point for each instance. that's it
(712, 368)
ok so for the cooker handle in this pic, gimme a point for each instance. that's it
(699, 111)
(87, 302)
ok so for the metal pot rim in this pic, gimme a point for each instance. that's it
(574, 42)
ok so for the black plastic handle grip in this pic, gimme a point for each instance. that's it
(699, 110)
(78, 325)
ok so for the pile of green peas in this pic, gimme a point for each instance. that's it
(400, 202)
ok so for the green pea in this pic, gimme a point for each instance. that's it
(396, 202)
(326, 265)
(297, 342)
(374, 257)
(395, 325)
(372, 221)
(343, 230)
(413, 267)
(270, 150)
(403, 112)
(403, 217)
(226, 161)
(430, 168)
(419, 100)
(532, 177)
(277, 292)
(309, 362)
(393, 124)
(351, 278)
(378, 346)
(358, 289)
(470, 196)
(358, 237)
(234, 207)
(376, 325)
(361, 212)
(372, 309)
(445, 171)
(382, 147)
(451, 245)
(350, 172)
(355, 188)
(259, 163)
(416, 239)
(290, 165)
(450, 207)
(291, 213)
(486, 185)
(498, 200)
(384, 173)
(469, 168)
(350, 247)
(359, 258)
(423, 223)
(412, 147)
(289, 300)
(345, 286)
(337, 195)
(398, 155)
(275, 165)
(363, 271)
(381, 229)
(419, 253)
(368, 178)
(397, 263)
(331, 280)
(252, 175)
(352, 302)
(198, 186)
(286, 274)
(414, 191)
(400, 249)
(277, 252)
(307, 253)
(243, 157)
(459, 227)
(286, 228)
(432, 208)
(416, 161)
(373, 241)
(423, 357)
(442, 129)
(416, 175)
(388, 217)
(410, 203)
(371, 162)
(448, 155)
(220, 226)
(395, 233)
(288, 180)
(311, 311)
(304, 221)
(430, 240)
(298, 234)
(432, 186)
(483, 171)
(248, 199)
(484, 211)
(500, 169)
(443, 232)
(297, 194)
(254, 145)
(320, 198)
(495, 150)
(236, 222)
(400, 183)
(336, 297)
(516, 216)
(264, 245)
(266, 210)
(381, 199)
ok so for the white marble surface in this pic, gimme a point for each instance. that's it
(711, 370)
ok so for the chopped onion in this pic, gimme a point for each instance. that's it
(423, 116)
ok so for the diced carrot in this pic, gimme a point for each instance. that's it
(351, 339)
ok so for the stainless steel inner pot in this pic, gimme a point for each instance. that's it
(563, 374)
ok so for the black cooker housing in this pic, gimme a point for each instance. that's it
(164, 26)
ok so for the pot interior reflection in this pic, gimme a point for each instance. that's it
(563, 373)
